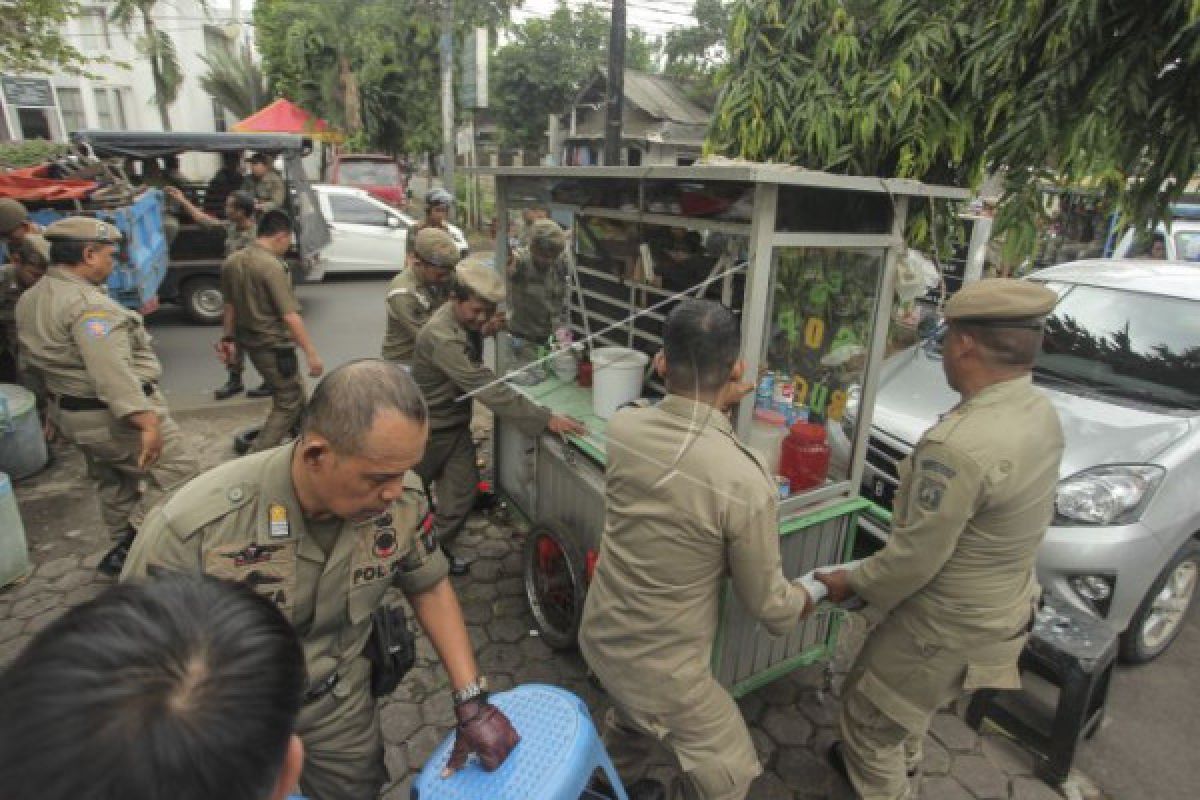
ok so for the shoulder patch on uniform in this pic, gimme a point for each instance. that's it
(929, 493)
(97, 324)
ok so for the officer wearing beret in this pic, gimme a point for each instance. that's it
(262, 320)
(537, 288)
(323, 527)
(417, 292)
(448, 366)
(28, 257)
(955, 584)
(93, 358)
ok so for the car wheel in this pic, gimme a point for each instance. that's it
(554, 585)
(1160, 617)
(202, 298)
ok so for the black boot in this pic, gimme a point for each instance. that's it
(264, 390)
(458, 566)
(232, 386)
(114, 560)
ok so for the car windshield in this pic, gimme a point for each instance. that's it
(1128, 346)
(1187, 245)
(373, 173)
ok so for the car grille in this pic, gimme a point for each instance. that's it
(882, 478)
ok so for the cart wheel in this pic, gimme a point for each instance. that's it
(554, 586)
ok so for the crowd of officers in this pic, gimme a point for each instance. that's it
(381, 475)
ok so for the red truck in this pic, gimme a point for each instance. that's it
(378, 175)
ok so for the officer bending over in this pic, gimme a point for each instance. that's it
(323, 527)
(183, 688)
(956, 579)
(686, 505)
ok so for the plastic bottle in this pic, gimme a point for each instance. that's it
(767, 433)
(805, 456)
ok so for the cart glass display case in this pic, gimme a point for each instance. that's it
(805, 260)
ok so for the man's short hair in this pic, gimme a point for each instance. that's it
(1004, 347)
(274, 222)
(346, 401)
(701, 342)
(67, 252)
(186, 687)
(243, 201)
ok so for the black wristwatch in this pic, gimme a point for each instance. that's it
(474, 690)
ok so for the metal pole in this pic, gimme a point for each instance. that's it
(447, 51)
(616, 85)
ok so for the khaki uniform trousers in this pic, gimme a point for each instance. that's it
(707, 738)
(343, 747)
(280, 368)
(896, 685)
(449, 468)
(110, 450)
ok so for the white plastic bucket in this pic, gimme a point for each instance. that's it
(14, 552)
(616, 378)
(22, 445)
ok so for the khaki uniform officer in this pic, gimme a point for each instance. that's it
(28, 257)
(267, 186)
(93, 358)
(323, 527)
(686, 506)
(956, 579)
(448, 366)
(537, 288)
(262, 320)
(417, 292)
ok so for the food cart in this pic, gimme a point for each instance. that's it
(806, 259)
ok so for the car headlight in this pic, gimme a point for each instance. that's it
(1106, 495)
(850, 414)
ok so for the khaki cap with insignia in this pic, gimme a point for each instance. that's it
(12, 214)
(1001, 303)
(546, 239)
(481, 279)
(83, 229)
(436, 246)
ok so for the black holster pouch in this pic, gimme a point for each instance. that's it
(391, 649)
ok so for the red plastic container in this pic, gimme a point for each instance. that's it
(804, 459)
(585, 372)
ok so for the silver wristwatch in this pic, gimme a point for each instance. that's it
(471, 691)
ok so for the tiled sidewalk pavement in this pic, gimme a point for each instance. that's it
(791, 720)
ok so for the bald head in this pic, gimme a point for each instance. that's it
(347, 401)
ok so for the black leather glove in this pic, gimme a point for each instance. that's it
(484, 730)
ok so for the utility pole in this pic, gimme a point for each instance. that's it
(447, 48)
(616, 85)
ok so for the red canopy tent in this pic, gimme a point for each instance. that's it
(284, 116)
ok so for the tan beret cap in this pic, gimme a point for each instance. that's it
(1001, 302)
(83, 229)
(436, 246)
(12, 214)
(547, 239)
(475, 274)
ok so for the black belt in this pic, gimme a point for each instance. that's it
(68, 403)
(323, 688)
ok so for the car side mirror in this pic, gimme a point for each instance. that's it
(393, 222)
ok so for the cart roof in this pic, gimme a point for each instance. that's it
(148, 144)
(746, 172)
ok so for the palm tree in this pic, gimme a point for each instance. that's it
(236, 80)
(158, 47)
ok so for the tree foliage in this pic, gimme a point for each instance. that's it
(370, 67)
(236, 80)
(158, 48)
(32, 38)
(695, 54)
(542, 68)
(1099, 91)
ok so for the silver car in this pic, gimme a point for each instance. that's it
(1121, 363)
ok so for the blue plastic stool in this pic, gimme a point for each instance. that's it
(558, 753)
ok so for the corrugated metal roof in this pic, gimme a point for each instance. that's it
(659, 97)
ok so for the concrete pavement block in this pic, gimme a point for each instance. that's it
(787, 727)
(981, 777)
(954, 733)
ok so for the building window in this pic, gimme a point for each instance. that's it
(70, 102)
(93, 25)
(110, 109)
(218, 117)
(118, 96)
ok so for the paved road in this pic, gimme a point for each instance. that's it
(345, 317)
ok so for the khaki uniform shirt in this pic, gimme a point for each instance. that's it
(687, 505)
(537, 295)
(82, 343)
(448, 366)
(257, 285)
(270, 190)
(974, 501)
(242, 522)
(409, 306)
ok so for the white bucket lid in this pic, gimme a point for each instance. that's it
(619, 357)
(19, 399)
